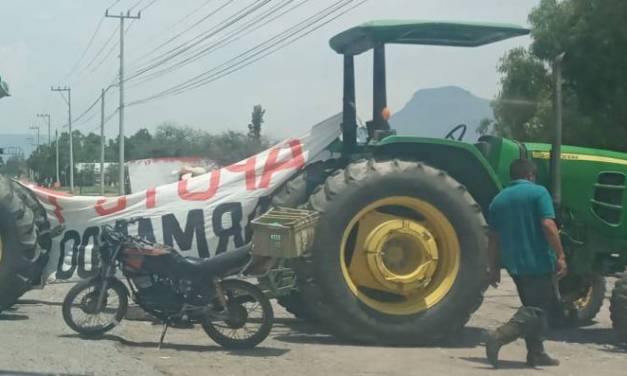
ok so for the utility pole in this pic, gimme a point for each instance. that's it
(48, 117)
(36, 129)
(122, 17)
(102, 141)
(69, 122)
(56, 137)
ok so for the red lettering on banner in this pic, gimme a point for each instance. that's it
(200, 196)
(273, 166)
(248, 168)
(101, 210)
(57, 208)
(151, 198)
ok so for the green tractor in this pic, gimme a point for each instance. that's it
(399, 256)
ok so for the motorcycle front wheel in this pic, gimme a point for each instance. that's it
(250, 317)
(80, 307)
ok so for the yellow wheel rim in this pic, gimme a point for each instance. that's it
(400, 255)
(583, 301)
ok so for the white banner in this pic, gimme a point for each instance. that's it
(201, 216)
(146, 173)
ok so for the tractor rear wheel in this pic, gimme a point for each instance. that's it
(399, 256)
(18, 243)
(618, 308)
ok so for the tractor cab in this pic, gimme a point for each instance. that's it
(375, 35)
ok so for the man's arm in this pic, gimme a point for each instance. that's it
(494, 259)
(553, 237)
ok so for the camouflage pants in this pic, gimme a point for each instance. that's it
(538, 294)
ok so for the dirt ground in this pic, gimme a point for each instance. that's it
(35, 341)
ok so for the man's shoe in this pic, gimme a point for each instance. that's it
(541, 360)
(492, 347)
(498, 338)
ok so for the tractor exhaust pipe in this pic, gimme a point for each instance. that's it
(556, 147)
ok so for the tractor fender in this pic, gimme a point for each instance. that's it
(463, 161)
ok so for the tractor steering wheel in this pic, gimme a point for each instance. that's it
(461, 129)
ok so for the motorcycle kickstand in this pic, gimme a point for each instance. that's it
(166, 324)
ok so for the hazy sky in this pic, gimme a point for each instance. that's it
(42, 40)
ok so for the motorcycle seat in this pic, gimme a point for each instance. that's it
(222, 264)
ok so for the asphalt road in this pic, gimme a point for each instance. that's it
(34, 340)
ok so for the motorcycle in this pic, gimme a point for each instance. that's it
(172, 288)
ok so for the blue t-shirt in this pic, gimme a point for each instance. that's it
(516, 215)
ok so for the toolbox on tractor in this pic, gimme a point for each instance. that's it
(284, 232)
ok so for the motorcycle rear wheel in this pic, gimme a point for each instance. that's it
(81, 300)
(251, 317)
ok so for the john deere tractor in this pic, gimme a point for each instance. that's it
(399, 256)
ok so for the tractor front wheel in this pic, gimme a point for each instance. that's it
(399, 256)
(583, 297)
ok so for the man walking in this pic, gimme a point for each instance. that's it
(525, 240)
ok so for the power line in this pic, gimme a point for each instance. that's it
(147, 5)
(248, 28)
(113, 47)
(135, 5)
(171, 39)
(258, 52)
(176, 51)
(89, 43)
(329, 8)
(114, 4)
(109, 39)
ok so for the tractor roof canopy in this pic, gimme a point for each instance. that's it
(362, 38)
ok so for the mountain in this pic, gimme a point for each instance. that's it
(434, 112)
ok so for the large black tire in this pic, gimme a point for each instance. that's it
(293, 194)
(19, 250)
(267, 319)
(348, 191)
(585, 300)
(618, 308)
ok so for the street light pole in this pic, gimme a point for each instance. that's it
(56, 137)
(102, 141)
(122, 17)
(48, 117)
(37, 129)
(69, 111)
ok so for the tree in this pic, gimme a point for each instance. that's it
(593, 34)
(254, 128)
(169, 140)
(521, 106)
(14, 166)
